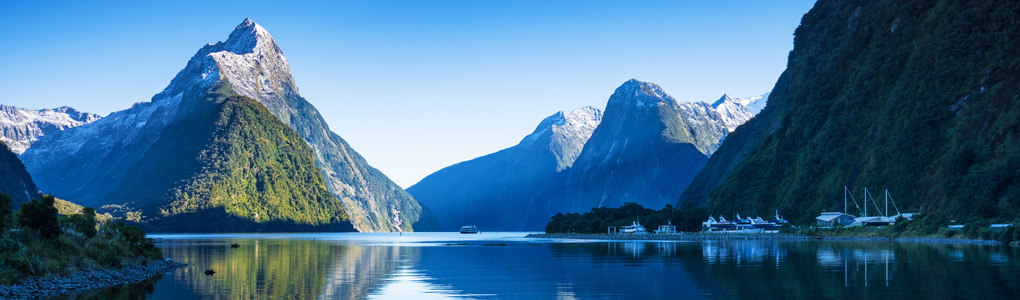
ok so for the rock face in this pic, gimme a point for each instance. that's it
(645, 149)
(250, 64)
(14, 179)
(917, 97)
(19, 127)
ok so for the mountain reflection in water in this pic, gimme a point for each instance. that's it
(506, 266)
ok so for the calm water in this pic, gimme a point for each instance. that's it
(507, 266)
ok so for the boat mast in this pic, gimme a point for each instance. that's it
(866, 195)
(887, 195)
(844, 201)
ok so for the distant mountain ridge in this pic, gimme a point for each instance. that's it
(250, 64)
(20, 127)
(644, 148)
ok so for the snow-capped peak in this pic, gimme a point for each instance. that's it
(20, 127)
(752, 104)
(639, 93)
(249, 37)
(564, 133)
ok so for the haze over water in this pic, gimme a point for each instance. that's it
(507, 266)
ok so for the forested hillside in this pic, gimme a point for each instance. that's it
(918, 97)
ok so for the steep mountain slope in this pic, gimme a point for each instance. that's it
(919, 97)
(646, 150)
(14, 179)
(20, 127)
(515, 188)
(249, 63)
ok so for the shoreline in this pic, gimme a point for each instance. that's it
(748, 236)
(86, 279)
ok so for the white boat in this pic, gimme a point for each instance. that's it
(634, 228)
(468, 229)
(669, 228)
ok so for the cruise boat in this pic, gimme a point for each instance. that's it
(721, 225)
(634, 228)
(740, 225)
(669, 228)
(468, 229)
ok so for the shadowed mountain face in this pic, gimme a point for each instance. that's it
(645, 149)
(515, 188)
(93, 164)
(919, 97)
(14, 179)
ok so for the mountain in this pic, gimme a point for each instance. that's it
(917, 97)
(96, 164)
(20, 127)
(513, 189)
(645, 149)
(736, 111)
(14, 179)
(753, 105)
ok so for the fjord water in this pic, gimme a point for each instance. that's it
(508, 266)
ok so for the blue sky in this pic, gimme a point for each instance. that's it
(413, 86)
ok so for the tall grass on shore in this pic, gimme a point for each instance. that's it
(36, 241)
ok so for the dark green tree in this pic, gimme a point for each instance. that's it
(85, 222)
(40, 215)
(5, 210)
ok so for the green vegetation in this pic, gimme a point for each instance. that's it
(686, 218)
(228, 165)
(255, 167)
(920, 97)
(40, 216)
(44, 243)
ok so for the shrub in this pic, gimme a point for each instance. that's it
(41, 216)
(85, 222)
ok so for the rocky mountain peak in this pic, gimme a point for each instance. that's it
(249, 37)
(638, 93)
(724, 99)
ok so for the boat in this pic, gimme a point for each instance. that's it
(740, 225)
(634, 228)
(468, 229)
(669, 228)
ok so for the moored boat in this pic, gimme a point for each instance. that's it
(468, 229)
(634, 228)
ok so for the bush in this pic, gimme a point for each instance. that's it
(17, 260)
(41, 216)
(85, 222)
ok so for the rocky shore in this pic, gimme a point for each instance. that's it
(86, 279)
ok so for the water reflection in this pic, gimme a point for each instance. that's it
(455, 267)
